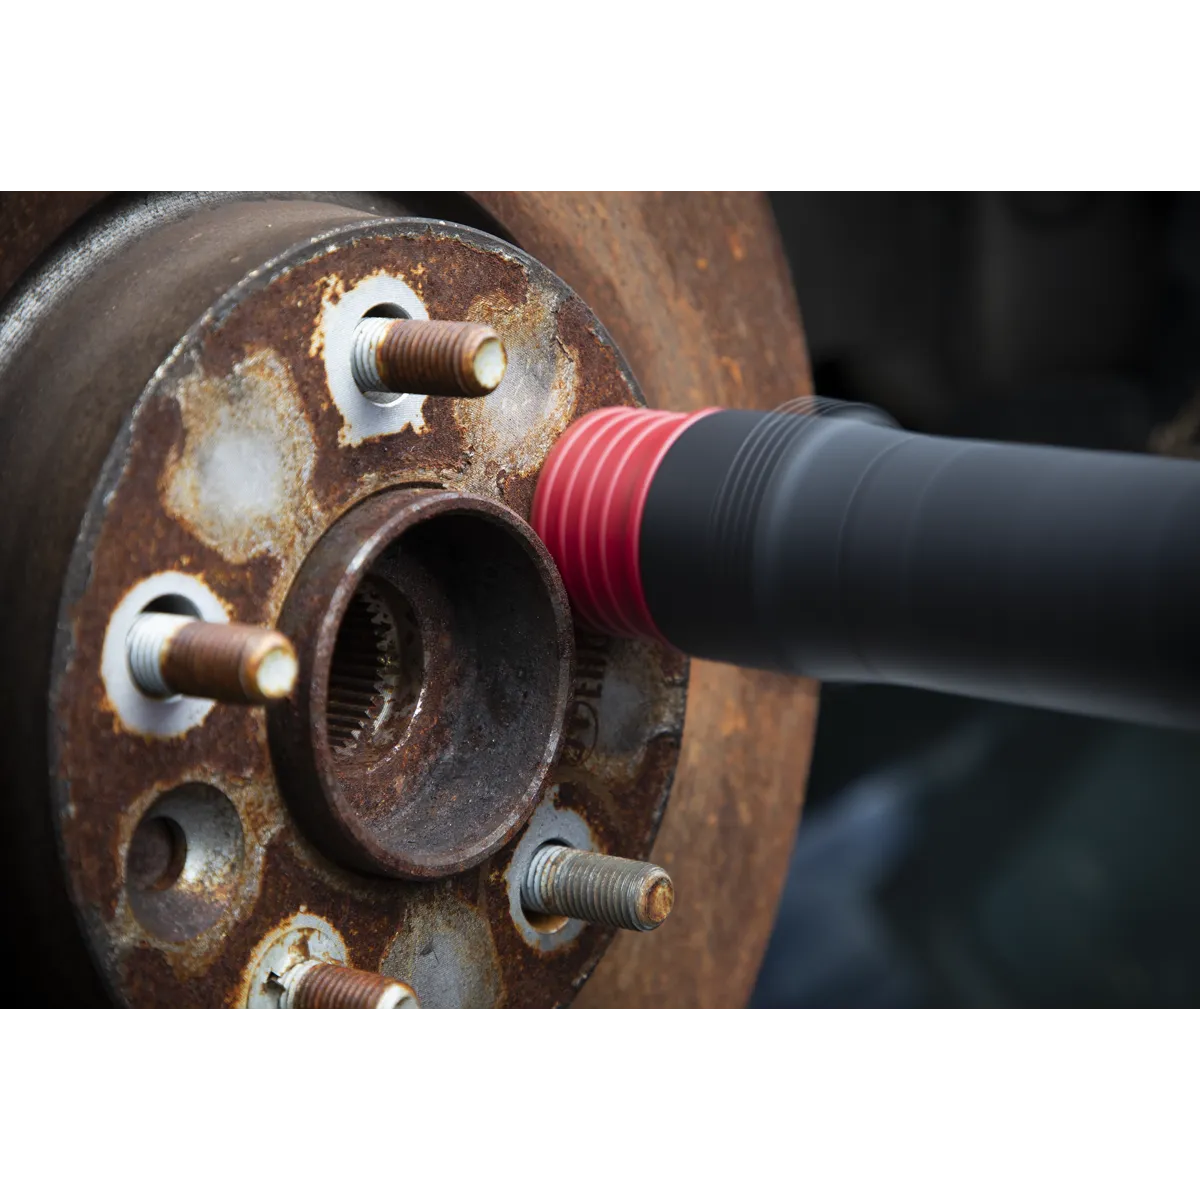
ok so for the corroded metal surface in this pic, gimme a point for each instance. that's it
(172, 654)
(422, 762)
(238, 456)
(694, 289)
(597, 888)
(452, 358)
(325, 985)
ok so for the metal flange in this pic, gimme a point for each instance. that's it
(250, 441)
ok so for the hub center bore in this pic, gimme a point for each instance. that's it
(435, 647)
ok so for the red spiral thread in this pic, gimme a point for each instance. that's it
(588, 510)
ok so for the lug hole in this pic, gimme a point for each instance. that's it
(156, 855)
(179, 606)
(393, 311)
(183, 862)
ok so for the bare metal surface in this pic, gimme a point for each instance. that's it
(441, 358)
(300, 938)
(194, 432)
(598, 889)
(146, 644)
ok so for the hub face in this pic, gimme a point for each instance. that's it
(233, 467)
(436, 644)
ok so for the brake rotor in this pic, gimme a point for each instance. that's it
(182, 428)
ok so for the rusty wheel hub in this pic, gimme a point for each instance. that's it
(436, 641)
(192, 397)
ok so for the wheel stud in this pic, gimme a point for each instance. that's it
(616, 892)
(324, 987)
(439, 358)
(172, 655)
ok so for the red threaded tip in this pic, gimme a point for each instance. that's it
(588, 510)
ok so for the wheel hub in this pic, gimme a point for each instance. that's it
(241, 476)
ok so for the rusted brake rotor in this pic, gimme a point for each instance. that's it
(182, 432)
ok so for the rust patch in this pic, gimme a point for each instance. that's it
(659, 901)
(433, 788)
(175, 498)
(513, 430)
(332, 290)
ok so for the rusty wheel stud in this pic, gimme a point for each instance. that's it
(172, 655)
(438, 358)
(598, 888)
(315, 984)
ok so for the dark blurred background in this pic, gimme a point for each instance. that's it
(955, 852)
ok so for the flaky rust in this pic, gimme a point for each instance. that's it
(246, 394)
(222, 661)
(439, 357)
(325, 985)
(431, 790)
(513, 432)
(687, 283)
